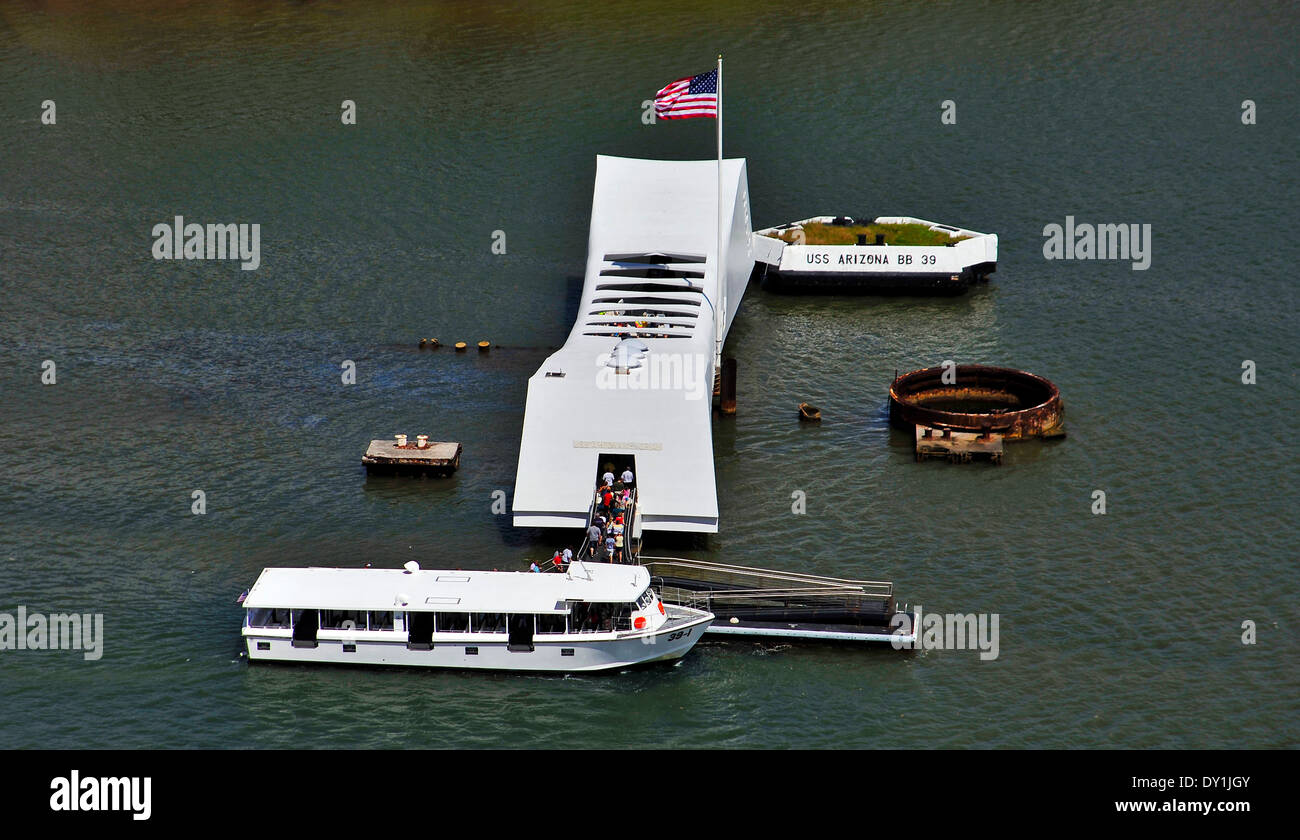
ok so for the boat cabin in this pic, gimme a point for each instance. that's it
(422, 608)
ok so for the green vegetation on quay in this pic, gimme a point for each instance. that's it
(909, 234)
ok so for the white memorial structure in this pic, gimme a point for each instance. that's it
(669, 257)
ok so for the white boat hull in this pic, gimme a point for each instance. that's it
(566, 653)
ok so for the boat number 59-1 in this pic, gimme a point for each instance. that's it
(672, 637)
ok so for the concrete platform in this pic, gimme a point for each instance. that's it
(439, 457)
(957, 447)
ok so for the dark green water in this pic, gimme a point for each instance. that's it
(1120, 630)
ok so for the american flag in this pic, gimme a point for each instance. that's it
(694, 96)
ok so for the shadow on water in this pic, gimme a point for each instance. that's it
(409, 487)
(668, 542)
(545, 541)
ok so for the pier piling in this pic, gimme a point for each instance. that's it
(727, 399)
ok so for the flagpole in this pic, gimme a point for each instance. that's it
(721, 296)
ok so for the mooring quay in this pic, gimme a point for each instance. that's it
(439, 458)
(775, 604)
(748, 601)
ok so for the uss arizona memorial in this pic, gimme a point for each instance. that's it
(655, 287)
(670, 254)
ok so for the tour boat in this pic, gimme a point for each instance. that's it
(591, 617)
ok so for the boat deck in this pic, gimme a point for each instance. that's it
(678, 618)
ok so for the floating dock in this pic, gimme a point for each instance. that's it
(789, 605)
(392, 457)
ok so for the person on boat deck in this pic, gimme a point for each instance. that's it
(627, 476)
(593, 538)
(618, 548)
(567, 556)
(532, 567)
(607, 478)
(607, 498)
(609, 549)
(617, 507)
(558, 560)
(618, 487)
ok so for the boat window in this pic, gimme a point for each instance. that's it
(584, 618)
(601, 618)
(453, 622)
(646, 599)
(381, 621)
(268, 617)
(343, 619)
(488, 622)
(550, 624)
